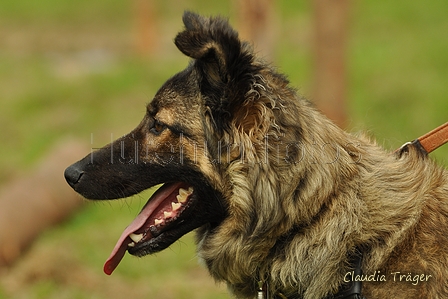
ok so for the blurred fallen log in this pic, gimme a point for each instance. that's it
(38, 200)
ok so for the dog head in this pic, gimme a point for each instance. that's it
(199, 123)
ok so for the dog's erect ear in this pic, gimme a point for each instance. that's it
(225, 63)
(212, 42)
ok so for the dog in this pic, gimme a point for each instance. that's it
(282, 200)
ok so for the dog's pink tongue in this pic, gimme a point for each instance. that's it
(122, 244)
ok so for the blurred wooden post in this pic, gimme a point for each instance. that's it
(145, 27)
(330, 81)
(256, 24)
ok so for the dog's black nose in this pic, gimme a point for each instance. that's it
(72, 175)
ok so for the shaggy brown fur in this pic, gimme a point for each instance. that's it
(282, 195)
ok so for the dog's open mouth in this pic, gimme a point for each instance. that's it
(164, 211)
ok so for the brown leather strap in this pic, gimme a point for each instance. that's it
(434, 139)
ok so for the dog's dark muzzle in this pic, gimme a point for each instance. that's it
(73, 175)
(121, 169)
(111, 172)
(95, 177)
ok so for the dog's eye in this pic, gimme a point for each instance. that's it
(157, 127)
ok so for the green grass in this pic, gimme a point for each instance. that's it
(51, 87)
(398, 70)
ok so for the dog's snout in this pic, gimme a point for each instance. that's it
(72, 175)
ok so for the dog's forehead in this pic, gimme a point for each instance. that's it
(178, 99)
(179, 92)
(176, 102)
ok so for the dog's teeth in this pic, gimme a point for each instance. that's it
(136, 238)
(132, 244)
(175, 206)
(158, 221)
(183, 192)
(181, 198)
(167, 214)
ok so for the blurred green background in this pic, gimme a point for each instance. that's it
(70, 68)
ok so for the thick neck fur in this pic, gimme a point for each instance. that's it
(304, 196)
